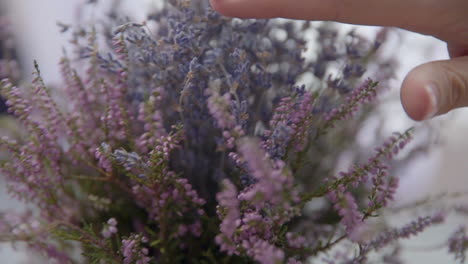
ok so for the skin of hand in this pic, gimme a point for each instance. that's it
(430, 89)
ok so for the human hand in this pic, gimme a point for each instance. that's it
(428, 90)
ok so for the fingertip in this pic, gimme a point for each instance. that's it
(418, 98)
(231, 8)
(248, 8)
(435, 88)
(219, 6)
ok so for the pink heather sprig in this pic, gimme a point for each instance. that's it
(116, 118)
(34, 171)
(25, 174)
(134, 251)
(347, 208)
(383, 188)
(184, 193)
(22, 108)
(220, 108)
(110, 228)
(177, 201)
(26, 227)
(236, 158)
(230, 136)
(382, 192)
(36, 174)
(149, 198)
(301, 118)
(295, 240)
(94, 73)
(229, 211)
(42, 151)
(166, 196)
(103, 155)
(394, 144)
(359, 96)
(409, 230)
(56, 123)
(359, 174)
(82, 117)
(19, 224)
(379, 178)
(17, 103)
(274, 184)
(81, 97)
(160, 154)
(164, 146)
(269, 202)
(458, 244)
(282, 111)
(290, 122)
(150, 114)
(120, 47)
(52, 252)
(263, 251)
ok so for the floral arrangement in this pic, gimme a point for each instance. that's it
(196, 138)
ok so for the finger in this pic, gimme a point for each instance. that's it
(400, 13)
(435, 88)
(457, 50)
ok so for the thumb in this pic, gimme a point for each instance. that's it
(435, 88)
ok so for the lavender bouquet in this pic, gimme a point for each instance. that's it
(195, 138)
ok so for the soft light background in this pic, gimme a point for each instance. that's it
(443, 169)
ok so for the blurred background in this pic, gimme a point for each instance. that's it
(442, 169)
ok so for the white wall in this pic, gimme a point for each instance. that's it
(38, 36)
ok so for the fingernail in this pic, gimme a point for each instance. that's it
(434, 96)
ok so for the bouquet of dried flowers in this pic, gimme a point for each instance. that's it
(196, 138)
